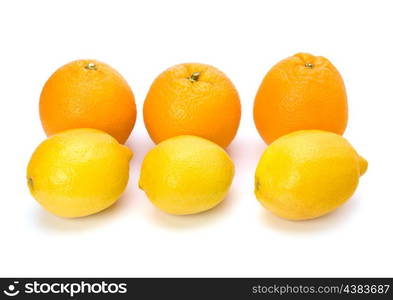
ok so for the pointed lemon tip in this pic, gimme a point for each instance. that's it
(363, 165)
(128, 152)
(30, 184)
(257, 185)
(141, 183)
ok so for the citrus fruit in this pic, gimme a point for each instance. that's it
(192, 99)
(307, 174)
(186, 175)
(78, 172)
(300, 92)
(88, 94)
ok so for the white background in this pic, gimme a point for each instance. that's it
(244, 39)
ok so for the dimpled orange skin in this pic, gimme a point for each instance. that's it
(300, 92)
(207, 106)
(88, 94)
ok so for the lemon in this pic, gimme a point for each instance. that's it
(307, 174)
(78, 172)
(186, 175)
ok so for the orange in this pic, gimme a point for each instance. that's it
(192, 99)
(300, 92)
(88, 94)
